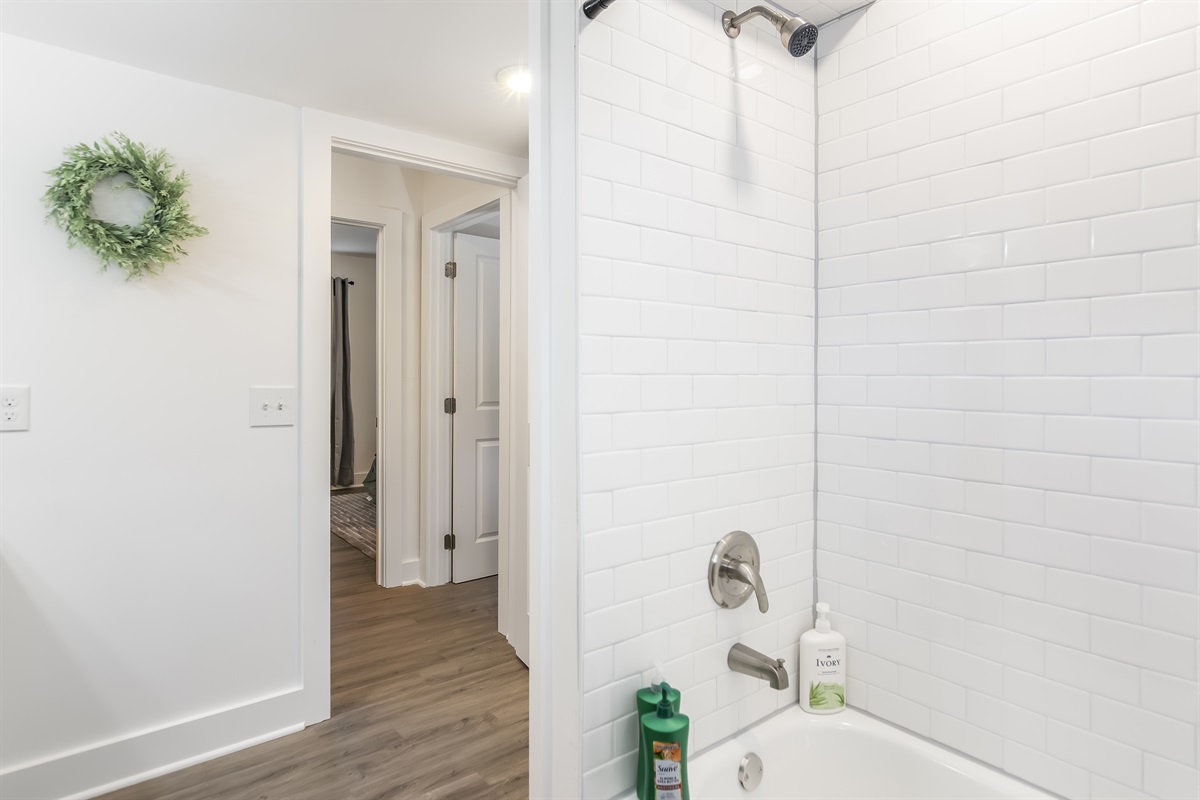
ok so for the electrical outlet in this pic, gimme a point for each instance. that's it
(272, 406)
(14, 408)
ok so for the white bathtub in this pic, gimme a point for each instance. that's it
(846, 755)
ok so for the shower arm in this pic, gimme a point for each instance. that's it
(732, 23)
(592, 8)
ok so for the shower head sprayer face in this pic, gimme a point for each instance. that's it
(798, 36)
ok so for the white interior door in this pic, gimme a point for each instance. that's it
(476, 421)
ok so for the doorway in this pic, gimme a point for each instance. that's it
(325, 137)
(354, 335)
(442, 332)
(452, 469)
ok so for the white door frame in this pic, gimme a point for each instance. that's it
(437, 375)
(555, 647)
(514, 428)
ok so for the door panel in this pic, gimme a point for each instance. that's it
(487, 473)
(476, 422)
(487, 337)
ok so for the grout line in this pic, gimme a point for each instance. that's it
(816, 310)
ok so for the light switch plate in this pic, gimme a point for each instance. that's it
(14, 408)
(272, 406)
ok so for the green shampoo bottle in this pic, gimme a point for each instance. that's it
(647, 703)
(665, 737)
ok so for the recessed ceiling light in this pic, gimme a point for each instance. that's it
(517, 79)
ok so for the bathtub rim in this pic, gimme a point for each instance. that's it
(889, 730)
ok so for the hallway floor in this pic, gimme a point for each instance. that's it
(428, 702)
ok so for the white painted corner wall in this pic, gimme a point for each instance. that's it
(696, 362)
(1008, 358)
(148, 599)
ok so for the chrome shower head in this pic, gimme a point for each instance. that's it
(798, 36)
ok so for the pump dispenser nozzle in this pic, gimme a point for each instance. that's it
(664, 706)
(822, 624)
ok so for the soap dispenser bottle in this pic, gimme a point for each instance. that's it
(647, 703)
(822, 667)
(665, 738)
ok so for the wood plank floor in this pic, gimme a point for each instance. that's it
(428, 702)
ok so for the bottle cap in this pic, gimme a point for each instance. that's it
(822, 624)
(664, 706)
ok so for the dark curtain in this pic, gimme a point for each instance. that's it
(341, 467)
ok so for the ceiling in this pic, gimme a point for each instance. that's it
(423, 65)
(819, 12)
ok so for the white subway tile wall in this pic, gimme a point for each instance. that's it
(1008, 358)
(696, 318)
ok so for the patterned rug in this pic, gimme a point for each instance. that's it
(352, 517)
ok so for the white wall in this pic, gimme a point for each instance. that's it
(439, 191)
(696, 360)
(149, 593)
(361, 270)
(1008, 355)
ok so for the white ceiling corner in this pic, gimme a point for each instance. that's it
(423, 65)
(818, 12)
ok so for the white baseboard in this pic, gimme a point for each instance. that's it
(107, 766)
(410, 572)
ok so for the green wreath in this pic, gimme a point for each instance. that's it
(140, 249)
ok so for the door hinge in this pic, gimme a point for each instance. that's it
(451, 269)
(448, 541)
(450, 405)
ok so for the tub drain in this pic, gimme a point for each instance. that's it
(750, 772)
